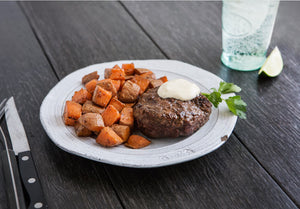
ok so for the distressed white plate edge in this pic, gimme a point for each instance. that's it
(178, 154)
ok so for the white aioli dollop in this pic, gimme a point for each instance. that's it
(179, 89)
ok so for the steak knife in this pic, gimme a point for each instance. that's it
(21, 149)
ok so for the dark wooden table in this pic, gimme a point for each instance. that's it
(258, 167)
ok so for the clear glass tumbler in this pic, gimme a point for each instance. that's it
(247, 27)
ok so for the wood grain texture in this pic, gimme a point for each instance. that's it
(68, 181)
(191, 31)
(227, 178)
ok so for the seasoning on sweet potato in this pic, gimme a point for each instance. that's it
(72, 112)
(108, 85)
(92, 121)
(117, 84)
(110, 115)
(117, 104)
(108, 138)
(107, 72)
(101, 96)
(80, 130)
(122, 131)
(117, 74)
(89, 77)
(137, 142)
(149, 75)
(140, 71)
(89, 106)
(130, 92)
(142, 82)
(91, 85)
(155, 83)
(164, 79)
(128, 68)
(127, 117)
(81, 96)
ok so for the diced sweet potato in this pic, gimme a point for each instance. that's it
(122, 131)
(128, 68)
(101, 96)
(129, 77)
(89, 106)
(130, 104)
(107, 73)
(72, 112)
(127, 117)
(108, 85)
(155, 83)
(116, 67)
(164, 79)
(92, 121)
(91, 85)
(117, 104)
(117, 74)
(108, 138)
(110, 115)
(80, 130)
(90, 76)
(142, 82)
(149, 75)
(130, 92)
(117, 84)
(140, 71)
(137, 142)
(81, 96)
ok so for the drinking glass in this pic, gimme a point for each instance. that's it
(247, 27)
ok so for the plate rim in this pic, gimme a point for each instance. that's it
(161, 163)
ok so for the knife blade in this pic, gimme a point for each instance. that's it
(21, 149)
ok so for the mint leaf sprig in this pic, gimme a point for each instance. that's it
(235, 104)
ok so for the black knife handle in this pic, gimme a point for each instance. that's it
(31, 181)
(11, 174)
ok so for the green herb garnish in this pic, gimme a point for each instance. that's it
(235, 104)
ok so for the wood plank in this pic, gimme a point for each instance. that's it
(191, 31)
(217, 180)
(27, 75)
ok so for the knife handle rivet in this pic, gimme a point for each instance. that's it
(31, 180)
(38, 205)
(24, 158)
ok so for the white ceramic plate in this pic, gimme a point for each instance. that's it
(160, 152)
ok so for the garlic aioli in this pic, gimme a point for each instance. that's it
(178, 89)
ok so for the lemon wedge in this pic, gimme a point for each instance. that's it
(273, 64)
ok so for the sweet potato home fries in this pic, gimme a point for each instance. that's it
(104, 107)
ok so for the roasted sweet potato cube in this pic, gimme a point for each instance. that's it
(127, 117)
(90, 76)
(108, 85)
(129, 77)
(89, 106)
(108, 138)
(91, 85)
(92, 121)
(128, 68)
(163, 79)
(117, 104)
(149, 75)
(110, 115)
(116, 67)
(140, 71)
(81, 96)
(155, 83)
(137, 142)
(107, 73)
(122, 131)
(142, 82)
(80, 130)
(72, 112)
(117, 84)
(101, 96)
(130, 92)
(117, 74)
